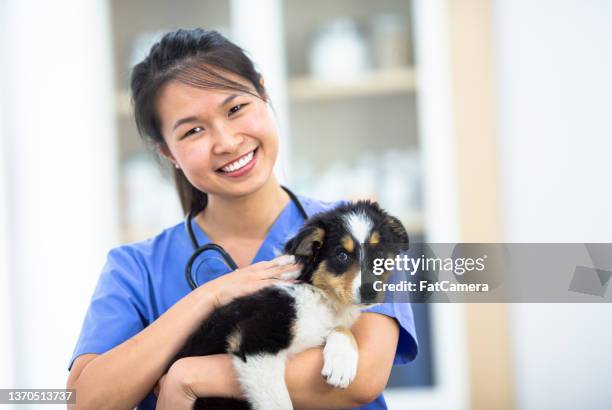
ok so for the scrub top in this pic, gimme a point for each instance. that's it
(140, 281)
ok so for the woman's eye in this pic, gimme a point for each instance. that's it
(342, 256)
(236, 108)
(193, 131)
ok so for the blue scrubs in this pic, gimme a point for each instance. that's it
(141, 281)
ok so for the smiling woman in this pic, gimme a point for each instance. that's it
(227, 137)
(205, 109)
(202, 105)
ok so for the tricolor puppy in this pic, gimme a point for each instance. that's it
(261, 330)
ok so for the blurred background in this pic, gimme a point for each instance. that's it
(472, 120)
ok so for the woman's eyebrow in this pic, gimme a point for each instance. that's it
(228, 99)
(193, 118)
(183, 121)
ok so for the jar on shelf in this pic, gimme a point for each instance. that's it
(339, 51)
(390, 41)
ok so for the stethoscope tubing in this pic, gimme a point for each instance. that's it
(227, 258)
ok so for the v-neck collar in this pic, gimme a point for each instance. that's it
(275, 237)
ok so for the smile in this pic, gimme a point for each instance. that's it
(239, 164)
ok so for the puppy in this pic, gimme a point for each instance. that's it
(262, 330)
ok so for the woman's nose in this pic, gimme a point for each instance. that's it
(226, 140)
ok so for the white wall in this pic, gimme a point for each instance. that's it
(59, 139)
(554, 69)
(6, 305)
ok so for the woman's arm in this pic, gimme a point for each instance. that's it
(376, 335)
(121, 377)
(124, 375)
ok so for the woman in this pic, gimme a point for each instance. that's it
(200, 102)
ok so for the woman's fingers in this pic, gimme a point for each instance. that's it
(262, 265)
(278, 281)
(282, 260)
(291, 274)
(278, 271)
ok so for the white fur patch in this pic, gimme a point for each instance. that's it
(262, 379)
(339, 360)
(316, 318)
(359, 225)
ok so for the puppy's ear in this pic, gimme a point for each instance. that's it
(307, 242)
(398, 234)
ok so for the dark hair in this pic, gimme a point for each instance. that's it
(194, 57)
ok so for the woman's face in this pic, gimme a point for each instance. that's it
(225, 142)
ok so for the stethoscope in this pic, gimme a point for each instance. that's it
(227, 258)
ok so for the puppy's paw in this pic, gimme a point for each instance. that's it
(340, 358)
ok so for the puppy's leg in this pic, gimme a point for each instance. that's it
(262, 378)
(340, 357)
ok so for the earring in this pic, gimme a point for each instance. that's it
(177, 166)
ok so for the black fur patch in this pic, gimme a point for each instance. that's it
(264, 321)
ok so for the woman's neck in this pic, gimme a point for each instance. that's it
(249, 216)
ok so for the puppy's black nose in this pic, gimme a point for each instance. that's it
(367, 293)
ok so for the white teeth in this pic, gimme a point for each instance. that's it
(238, 164)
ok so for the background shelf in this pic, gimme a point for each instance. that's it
(383, 82)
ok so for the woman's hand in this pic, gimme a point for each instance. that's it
(197, 376)
(173, 389)
(252, 278)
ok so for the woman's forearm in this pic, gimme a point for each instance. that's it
(309, 390)
(214, 376)
(209, 376)
(122, 377)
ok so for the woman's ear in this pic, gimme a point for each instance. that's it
(266, 97)
(165, 151)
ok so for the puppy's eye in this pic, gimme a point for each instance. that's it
(342, 256)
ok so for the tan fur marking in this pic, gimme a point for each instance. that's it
(233, 341)
(347, 243)
(305, 247)
(338, 288)
(374, 238)
(348, 333)
(318, 235)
